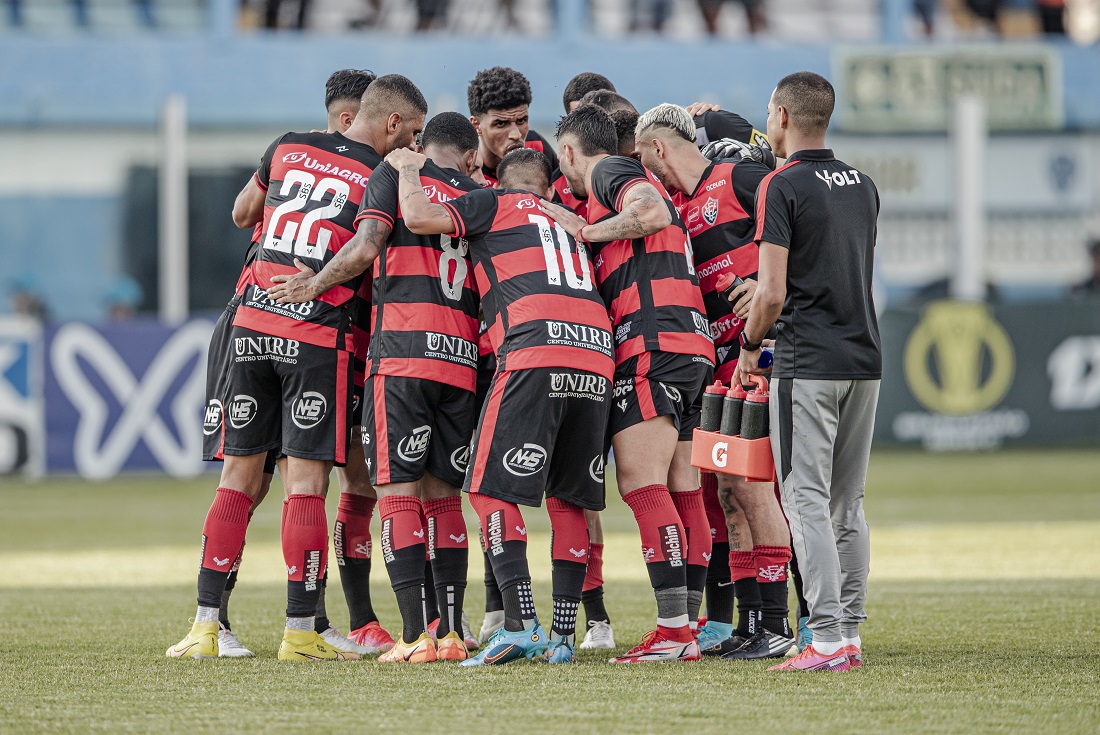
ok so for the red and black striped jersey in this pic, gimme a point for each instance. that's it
(719, 220)
(425, 298)
(537, 292)
(535, 142)
(564, 196)
(314, 184)
(649, 283)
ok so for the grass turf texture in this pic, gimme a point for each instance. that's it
(985, 574)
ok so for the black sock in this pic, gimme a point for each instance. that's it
(719, 589)
(320, 619)
(519, 606)
(493, 600)
(431, 610)
(748, 605)
(796, 576)
(696, 583)
(594, 610)
(212, 587)
(773, 596)
(355, 579)
(223, 611)
(449, 569)
(410, 603)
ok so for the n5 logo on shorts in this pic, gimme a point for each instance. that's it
(241, 411)
(672, 545)
(212, 417)
(309, 410)
(460, 458)
(415, 445)
(525, 461)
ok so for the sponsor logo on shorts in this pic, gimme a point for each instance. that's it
(672, 545)
(579, 335)
(242, 410)
(578, 385)
(212, 417)
(309, 410)
(494, 533)
(624, 386)
(387, 540)
(623, 404)
(415, 445)
(702, 325)
(249, 349)
(526, 460)
(460, 458)
(452, 349)
(596, 468)
(311, 573)
(710, 211)
(672, 393)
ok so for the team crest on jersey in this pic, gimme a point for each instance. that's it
(710, 211)
(295, 157)
(526, 204)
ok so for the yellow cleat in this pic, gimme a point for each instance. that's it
(306, 645)
(201, 642)
(420, 651)
(451, 647)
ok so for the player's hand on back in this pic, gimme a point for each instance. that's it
(695, 109)
(297, 288)
(403, 157)
(569, 221)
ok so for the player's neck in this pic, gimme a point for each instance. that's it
(361, 132)
(797, 141)
(445, 158)
(587, 165)
(489, 159)
(688, 172)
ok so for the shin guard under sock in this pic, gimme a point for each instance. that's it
(689, 506)
(305, 551)
(747, 591)
(353, 544)
(403, 550)
(506, 545)
(569, 551)
(663, 550)
(222, 540)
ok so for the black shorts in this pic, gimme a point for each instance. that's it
(286, 395)
(411, 425)
(660, 384)
(542, 432)
(486, 369)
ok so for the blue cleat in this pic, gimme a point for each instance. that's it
(713, 633)
(504, 646)
(560, 652)
(805, 637)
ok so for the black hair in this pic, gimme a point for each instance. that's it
(594, 129)
(524, 158)
(625, 123)
(499, 88)
(387, 93)
(582, 84)
(609, 100)
(450, 129)
(347, 85)
(808, 98)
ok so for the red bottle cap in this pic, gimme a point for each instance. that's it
(725, 280)
(760, 393)
(736, 391)
(716, 388)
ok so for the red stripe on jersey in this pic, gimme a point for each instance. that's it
(666, 292)
(627, 187)
(486, 428)
(263, 271)
(743, 261)
(519, 262)
(459, 376)
(423, 317)
(725, 371)
(281, 326)
(540, 307)
(641, 388)
(558, 356)
(411, 260)
(381, 431)
(762, 200)
(685, 343)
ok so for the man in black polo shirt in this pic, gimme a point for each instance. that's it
(816, 226)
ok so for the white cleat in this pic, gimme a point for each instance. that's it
(342, 643)
(229, 646)
(493, 622)
(599, 635)
(467, 634)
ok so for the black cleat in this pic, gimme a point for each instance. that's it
(763, 644)
(727, 646)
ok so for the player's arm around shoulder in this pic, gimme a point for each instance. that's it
(420, 215)
(643, 212)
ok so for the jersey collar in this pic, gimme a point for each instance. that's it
(703, 180)
(816, 154)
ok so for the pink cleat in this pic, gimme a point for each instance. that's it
(811, 660)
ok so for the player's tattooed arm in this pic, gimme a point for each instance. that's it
(418, 212)
(644, 212)
(353, 259)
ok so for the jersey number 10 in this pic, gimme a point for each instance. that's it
(582, 282)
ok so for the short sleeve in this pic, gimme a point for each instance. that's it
(473, 214)
(612, 178)
(263, 171)
(381, 196)
(775, 207)
(745, 178)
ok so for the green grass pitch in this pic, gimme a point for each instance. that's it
(983, 618)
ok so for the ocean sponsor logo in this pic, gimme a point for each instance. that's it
(672, 545)
(242, 409)
(309, 410)
(714, 185)
(414, 446)
(578, 385)
(579, 335)
(312, 569)
(212, 417)
(526, 460)
(247, 349)
(452, 349)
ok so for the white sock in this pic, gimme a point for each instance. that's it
(853, 642)
(206, 614)
(827, 648)
(677, 622)
(305, 624)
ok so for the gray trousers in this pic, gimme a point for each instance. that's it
(821, 441)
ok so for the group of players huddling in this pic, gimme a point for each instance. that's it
(457, 306)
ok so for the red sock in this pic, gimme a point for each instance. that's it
(742, 565)
(716, 517)
(240, 554)
(689, 506)
(505, 538)
(569, 535)
(663, 543)
(593, 577)
(305, 538)
(224, 529)
(446, 525)
(771, 563)
(351, 533)
(402, 524)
